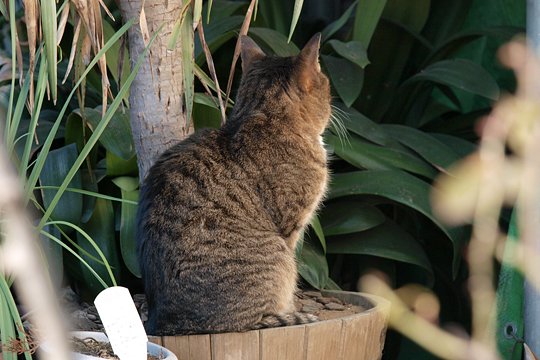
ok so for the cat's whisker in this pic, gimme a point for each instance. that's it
(336, 120)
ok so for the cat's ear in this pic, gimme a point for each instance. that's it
(308, 60)
(249, 51)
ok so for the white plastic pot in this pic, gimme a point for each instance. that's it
(156, 350)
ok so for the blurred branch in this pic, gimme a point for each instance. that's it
(19, 258)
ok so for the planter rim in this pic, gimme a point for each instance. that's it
(153, 349)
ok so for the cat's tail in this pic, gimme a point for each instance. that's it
(295, 318)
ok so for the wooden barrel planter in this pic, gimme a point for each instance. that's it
(355, 337)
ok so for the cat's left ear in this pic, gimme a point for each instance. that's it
(308, 60)
(249, 52)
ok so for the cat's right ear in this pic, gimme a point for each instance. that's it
(249, 51)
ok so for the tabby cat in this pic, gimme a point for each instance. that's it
(221, 212)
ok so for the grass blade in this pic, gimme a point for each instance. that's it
(32, 180)
(99, 129)
(49, 30)
(296, 14)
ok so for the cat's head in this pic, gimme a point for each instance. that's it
(294, 84)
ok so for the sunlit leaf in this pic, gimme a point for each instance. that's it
(296, 14)
(353, 51)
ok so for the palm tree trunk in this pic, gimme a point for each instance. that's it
(156, 98)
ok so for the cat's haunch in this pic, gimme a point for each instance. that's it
(221, 212)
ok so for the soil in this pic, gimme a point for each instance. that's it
(92, 347)
(85, 317)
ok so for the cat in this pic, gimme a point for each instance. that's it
(221, 212)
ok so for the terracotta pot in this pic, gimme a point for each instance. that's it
(359, 337)
(153, 349)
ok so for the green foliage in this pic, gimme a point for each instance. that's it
(409, 82)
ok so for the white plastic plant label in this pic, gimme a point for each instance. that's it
(122, 324)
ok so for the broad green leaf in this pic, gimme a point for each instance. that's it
(353, 51)
(316, 226)
(460, 39)
(333, 27)
(374, 157)
(55, 170)
(398, 186)
(460, 146)
(276, 15)
(427, 146)
(368, 13)
(346, 77)
(216, 34)
(221, 10)
(116, 137)
(126, 183)
(296, 14)
(89, 182)
(128, 244)
(100, 228)
(312, 266)
(359, 124)
(119, 167)
(205, 113)
(346, 216)
(275, 41)
(388, 241)
(187, 43)
(53, 258)
(462, 74)
(411, 14)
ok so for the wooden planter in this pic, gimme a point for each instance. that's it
(358, 337)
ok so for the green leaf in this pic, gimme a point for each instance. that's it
(275, 41)
(49, 30)
(197, 12)
(411, 14)
(126, 183)
(427, 146)
(346, 216)
(116, 137)
(333, 27)
(460, 146)
(387, 241)
(53, 257)
(346, 77)
(296, 14)
(374, 157)
(100, 228)
(205, 113)
(353, 51)
(36, 170)
(316, 226)
(312, 266)
(128, 243)
(119, 167)
(187, 43)
(359, 124)
(216, 34)
(398, 186)
(462, 74)
(368, 14)
(55, 170)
